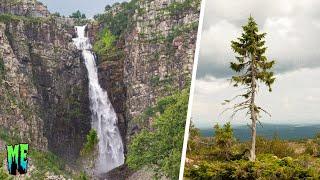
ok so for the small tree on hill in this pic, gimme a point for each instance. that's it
(78, 15)
(224, 140)
(252, 67)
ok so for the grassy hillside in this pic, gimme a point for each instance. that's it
(223, 157)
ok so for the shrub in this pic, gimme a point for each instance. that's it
(92, 141)
(275, 146)
(161, 148)
(266, 167)
(78, 15)
(224, 139)
(105, 43)
(193, 142)
(82, 176)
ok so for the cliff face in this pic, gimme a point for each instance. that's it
(43, 81)
(160, 52)
(24, 8)
(156, 57)
(43, 87)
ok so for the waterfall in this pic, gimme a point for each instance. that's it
(104, 118)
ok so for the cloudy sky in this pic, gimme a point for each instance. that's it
(67, 7)
(293, 40)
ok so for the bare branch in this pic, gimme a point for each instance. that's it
(264, 111)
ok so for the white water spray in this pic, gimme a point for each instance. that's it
(104, 118)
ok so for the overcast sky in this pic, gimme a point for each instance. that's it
(293, 34)
(89, 7)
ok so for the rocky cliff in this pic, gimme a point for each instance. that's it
(153, 56)
(44, 88)
(43, 81)
(24, 8)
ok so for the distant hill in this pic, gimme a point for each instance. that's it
(284, 131)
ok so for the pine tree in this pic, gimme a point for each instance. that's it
(252, 67)
(224, 140)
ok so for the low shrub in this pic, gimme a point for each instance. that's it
(267, 166)
(92, 141)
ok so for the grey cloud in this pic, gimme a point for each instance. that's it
(288, 103)
(292, 29)
(208, 67)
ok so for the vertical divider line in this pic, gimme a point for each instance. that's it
(192, 88)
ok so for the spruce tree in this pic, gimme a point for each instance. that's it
(252, 67)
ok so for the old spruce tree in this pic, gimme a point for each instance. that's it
(252, 67)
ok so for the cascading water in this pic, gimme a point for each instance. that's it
(104, 119)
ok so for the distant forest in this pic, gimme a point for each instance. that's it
(269, 131)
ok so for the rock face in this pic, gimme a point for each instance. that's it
(43, 81)
(158, 52)
(24, 8)
(44, 86)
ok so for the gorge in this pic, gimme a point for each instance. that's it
(45, 93)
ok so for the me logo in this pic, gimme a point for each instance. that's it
(17, 158)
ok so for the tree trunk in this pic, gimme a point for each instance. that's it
(253, 138)
(253, 112)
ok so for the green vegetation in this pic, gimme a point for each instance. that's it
(82, 176)
(183, 29)
(78, 15)
(276, 159)
(43, 161)
(105, 43)
(115, 25)
(121, 21)
(251, 67)
(80, 18)
(176, 8)
(47, 162)
(223, 140)
(3, 171)
(56, 14)
(92, 141)
(9, 138)
(10, 18)
(118, 23)
(160, 146)
(2, 70)
(155, 80)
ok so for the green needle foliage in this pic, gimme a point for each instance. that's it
(161, 148)
(251, 60)
(224, 140)
(252, 67)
